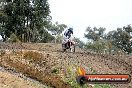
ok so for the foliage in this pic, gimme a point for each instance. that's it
(95, 34)
(44, 37)
(79, 42)
(13, 38)
(59, 38)
(114, 41)
(71, 77)
(56, 30)
(97, 46)
(25, 18)
(121, 39)
(103, 86)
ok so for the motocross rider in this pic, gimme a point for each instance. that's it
(67, 35)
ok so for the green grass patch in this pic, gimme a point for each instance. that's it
(103, 86)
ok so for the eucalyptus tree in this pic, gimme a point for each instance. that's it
(94, 34)
(24, 18)
(121, 39)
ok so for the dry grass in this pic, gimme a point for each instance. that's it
(31, 71)
(33, 56)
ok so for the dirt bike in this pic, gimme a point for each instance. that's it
(69, 45)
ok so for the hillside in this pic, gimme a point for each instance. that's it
(46, 64)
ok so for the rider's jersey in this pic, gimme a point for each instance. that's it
(68, 33)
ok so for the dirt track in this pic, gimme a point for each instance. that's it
(101, 64)
(15, 80)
